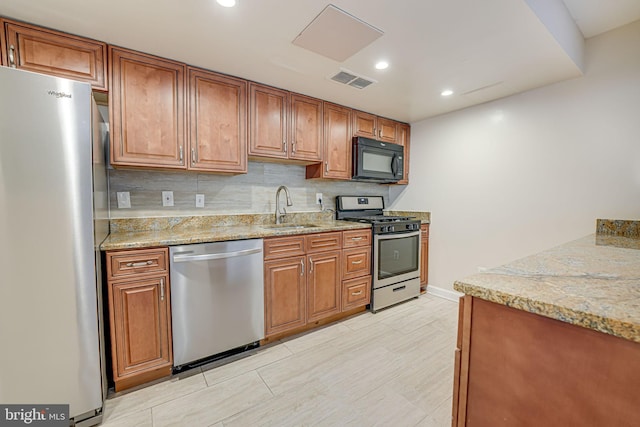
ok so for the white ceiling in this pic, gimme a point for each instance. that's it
(483, 50)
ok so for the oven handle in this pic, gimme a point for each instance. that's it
(399, 235)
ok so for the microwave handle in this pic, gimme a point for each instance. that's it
(394, 165)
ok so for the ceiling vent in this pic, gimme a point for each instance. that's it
(351, 79)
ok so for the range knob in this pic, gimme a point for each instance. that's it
(391, 228)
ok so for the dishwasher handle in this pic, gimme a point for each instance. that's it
(206, 257)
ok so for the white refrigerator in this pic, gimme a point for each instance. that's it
(53, 216)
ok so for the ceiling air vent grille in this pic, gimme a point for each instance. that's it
(351, 79)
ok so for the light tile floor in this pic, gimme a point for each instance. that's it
(392, 368)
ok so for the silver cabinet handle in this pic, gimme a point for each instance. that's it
(181, 155)
(139, 264)
(310, 265)
(284, 145)
(356, 239)
(357, 293)
(206, 257)
(379, 133)
(194, 158)
(302, 264)
(293, 147)
(12, 56)
(326, 167)
(356, 262)
(162, 289)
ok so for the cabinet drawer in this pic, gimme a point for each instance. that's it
(356, 292)
(356, 262)
(353, 238)
(127, 263)
(323, 242)
(282, 247)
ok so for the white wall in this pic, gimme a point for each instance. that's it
(512, 177)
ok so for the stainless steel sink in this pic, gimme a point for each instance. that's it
(289, 226)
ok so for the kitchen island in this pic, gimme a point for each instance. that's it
(554, 338)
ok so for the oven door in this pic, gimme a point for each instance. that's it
(396, 258)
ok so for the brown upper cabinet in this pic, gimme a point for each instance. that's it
(337, 144)
(3, 50)
(370, 126)
(149, 121)
(268, 115)
(284, 125)
(218, 122)
(403, 132)
(146, 104)
(51, 52)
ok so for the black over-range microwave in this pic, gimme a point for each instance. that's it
(376, 161)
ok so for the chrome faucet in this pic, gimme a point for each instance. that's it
(280, 215)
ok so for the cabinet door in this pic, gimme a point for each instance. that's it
(3, 48)
(424, 256)
(51, 52)
(147, 110)
(387, 130)
(364, 124)
(140, 325)
(218, 128)
(285, 294)
(323, 285)
(337, 142)
(404, 135)
(268, 115)
(306, 128)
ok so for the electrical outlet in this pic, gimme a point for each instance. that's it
(167, 198)
(318, 198)
(124, 200)
(199, 200)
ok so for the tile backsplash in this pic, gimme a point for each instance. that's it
(253, 192)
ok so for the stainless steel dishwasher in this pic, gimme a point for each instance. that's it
(217, 299)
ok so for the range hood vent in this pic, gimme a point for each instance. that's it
(348, 78)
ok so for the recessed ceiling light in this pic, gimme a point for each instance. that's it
(226, 3)
(447, 92)
(382, 65)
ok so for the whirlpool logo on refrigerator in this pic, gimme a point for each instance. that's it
(58, 94)
(34, 415)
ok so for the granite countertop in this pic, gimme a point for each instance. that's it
(592, 282)
(131, 233)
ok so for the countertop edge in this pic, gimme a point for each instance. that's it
(616, 327)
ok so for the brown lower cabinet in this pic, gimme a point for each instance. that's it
(139, 315)
(305, 283)
(424, 257)
(515, 368)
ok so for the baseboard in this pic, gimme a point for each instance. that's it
(444, 293)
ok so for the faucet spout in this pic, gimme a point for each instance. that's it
(280, 213)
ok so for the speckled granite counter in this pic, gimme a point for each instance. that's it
(167, 231)
(592, 282)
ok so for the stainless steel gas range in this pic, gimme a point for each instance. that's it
(396, 249)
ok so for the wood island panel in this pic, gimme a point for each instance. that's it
(519, 368)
